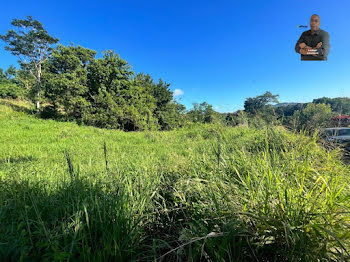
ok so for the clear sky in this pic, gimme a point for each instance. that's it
(216, 51)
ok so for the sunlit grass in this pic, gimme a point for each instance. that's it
(201, 193)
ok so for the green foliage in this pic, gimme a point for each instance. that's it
(288, 110)
(237, 118)
(313, 117)
(290, 114)
(11, 72)
(118, 101)
(105, 112)
(259, 103)
(203, 192)
(101, 92)
(31, 40)
(65, 79)
(8, 74)
(105, 93)
(2, 74)
(9, 87)
(203, 113)
(168, 113)
(11, 90)
(162, 94)
(340, 105)
(260, 110)
(26, 81)
(171, 116)
(31, 43)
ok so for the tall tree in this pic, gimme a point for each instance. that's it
(340, 105)
(25, 80)
(8, 74)
(32, 44)
(203, 113)
(169, 113)
(163, 96)
(118, 100)
(2, 75)
(11, 72)
(312, 117)
(255, 104)
(65, 79)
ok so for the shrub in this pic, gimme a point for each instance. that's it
(11, 90)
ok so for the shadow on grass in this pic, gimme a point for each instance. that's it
(19, 159)
(77, 221)
(46, 112)
(16, 107)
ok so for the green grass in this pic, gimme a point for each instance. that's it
(201, 193)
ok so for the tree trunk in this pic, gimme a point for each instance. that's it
(38, 88)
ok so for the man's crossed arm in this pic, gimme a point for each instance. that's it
(307, 50)
(320, 50)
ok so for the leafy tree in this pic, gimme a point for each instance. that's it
(9, 87)
(165, 111)
(2, 75)
(162, 94)
(65, 79)
(169, 113)
(19, 77)
(11, 90)
(312, 117)
(230, 119)
(110, 72)
(209, 114)
(289, 109)
(196, 114)
(340, 105)
(236, 118)
(259, 103)
(138, 105)
(11, 72)
(26, 81)
(203, 113)
(8, 74)
(106, 78)
(31, 43)
(172, 115)
(127, 103)
(104, 111)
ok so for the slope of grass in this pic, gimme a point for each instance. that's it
(202, 193)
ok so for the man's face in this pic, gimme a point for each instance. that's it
(315, 23)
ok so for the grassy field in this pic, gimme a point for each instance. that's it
(201, 193)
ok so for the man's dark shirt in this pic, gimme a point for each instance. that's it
(312, 40)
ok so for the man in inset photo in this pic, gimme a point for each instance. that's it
(313, 44)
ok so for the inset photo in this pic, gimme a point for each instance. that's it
(314, 43)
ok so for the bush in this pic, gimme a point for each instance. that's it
(11, 90)
(50, 112)
(311, 118)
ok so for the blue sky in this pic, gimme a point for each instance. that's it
(216, 51)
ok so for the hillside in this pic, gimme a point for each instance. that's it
(203, 192)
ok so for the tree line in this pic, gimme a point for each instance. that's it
(73, 84)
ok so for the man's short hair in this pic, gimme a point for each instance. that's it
(316, 15)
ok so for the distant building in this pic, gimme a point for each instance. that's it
(344, 119)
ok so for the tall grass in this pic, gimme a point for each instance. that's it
(202, 193)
